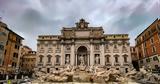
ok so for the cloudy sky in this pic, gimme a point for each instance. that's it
(30, 18)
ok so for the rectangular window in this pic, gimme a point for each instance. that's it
(145, 51)
(149, 33)
(107, 59)
(148, 60)
(5, 52)
(159, 35)
(14, 54)
(145, 45)
(49, 58)
(153, 49)
(12, 64)
(126, 69)
(41, 58)
(155, 58)
(116, 59)
(57, 60)
(143, 37)
(152, 40)
(140, 55)
(1, 47)
(125, 59)
(48, 70)
(15, 46)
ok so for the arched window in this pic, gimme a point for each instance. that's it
(125, 58)
(107, 58)
(58, 60)
(41, 58)
(116, 58)
(49, 58)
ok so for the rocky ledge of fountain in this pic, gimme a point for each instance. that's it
(144, 76)
(97, 74)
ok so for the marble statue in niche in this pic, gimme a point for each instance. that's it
(81, 59)
(67, 59)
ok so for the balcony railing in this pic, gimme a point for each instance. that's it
(126, 64)
(48, 64)
(117, 64)
(57, 64)
(108, 64)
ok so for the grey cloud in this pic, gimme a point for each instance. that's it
(136, 17)
(49, 16)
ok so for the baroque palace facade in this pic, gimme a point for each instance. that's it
(83, 46)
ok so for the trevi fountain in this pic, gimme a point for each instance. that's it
(97, 74)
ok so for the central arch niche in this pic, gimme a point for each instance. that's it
(82, 57)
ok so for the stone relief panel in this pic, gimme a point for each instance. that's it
(82, 33)
(67, 48)
(41, 48)
(96, 33)
(107, 49)
(115, 48)
(50, 50)
(68, 34)
(58, 48)
(124, 49)
(96, 47)
(78, 41)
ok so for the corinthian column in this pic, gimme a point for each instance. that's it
(72, 55)
(88, 59)
(91, 55)
(102, 62)
(62, 55)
